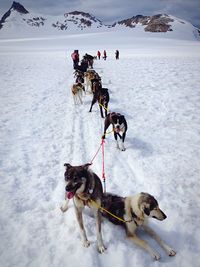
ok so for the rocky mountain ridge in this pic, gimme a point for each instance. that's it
(19, 17)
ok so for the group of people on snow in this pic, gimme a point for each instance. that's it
(87, 60)
(105, 54)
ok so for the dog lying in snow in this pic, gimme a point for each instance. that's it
(85, 187)
(135, 211)
(120, 127)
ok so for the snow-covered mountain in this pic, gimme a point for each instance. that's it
(25, 22)
(19, 22)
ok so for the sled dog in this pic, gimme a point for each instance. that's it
(85, 187)
(89, 75)
(102, 97)
(135, 211)
(77, 92)
(119, 124)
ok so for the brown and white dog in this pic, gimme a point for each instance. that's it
(120, 127)
(90, 75)
(77, 93)
(85, 187)
(79, 75)
(135, 211)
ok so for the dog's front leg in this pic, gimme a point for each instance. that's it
(152, 233)
(101, 247)
(101, 110)
(122, 140)
(93, 102)
(64, 206)
(86, 85)
(143, 244)
(79, 217)
(117, 144)
(74, 97)
(80, 96)
(90, 86)
(106, 109)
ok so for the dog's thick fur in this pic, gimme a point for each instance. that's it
(89, 75)
(83, 185)
(135, 211)
(102, 97)
(77, 93)
(120, 127)
(79, 75)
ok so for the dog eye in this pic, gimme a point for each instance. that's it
(75, 179)
(66, 176)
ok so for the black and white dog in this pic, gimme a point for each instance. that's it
(119, 124)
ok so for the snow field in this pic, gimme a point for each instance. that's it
(41, 129)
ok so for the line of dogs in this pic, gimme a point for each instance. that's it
(90, 81)
(85, 188)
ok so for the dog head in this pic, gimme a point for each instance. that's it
(96, 85)
(75, 177)
(149, 206)
(117, 120)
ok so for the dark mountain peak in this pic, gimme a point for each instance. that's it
(83, 14)
(155, 23)
(15, 6)
(79, 13)
(18, 7)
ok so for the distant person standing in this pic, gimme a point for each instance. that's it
(99, 54)
(104, 55)
(117, 54)
(75, 58)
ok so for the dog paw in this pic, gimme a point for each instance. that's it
(64, 206)
(101, 249)
(171, 253)
(123, 149)
(86, 243)
(156, 256)
(63, 209)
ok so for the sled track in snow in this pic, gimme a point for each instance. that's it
(85, 137)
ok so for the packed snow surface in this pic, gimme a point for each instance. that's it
(155, 84)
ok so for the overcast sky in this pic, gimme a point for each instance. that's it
(112, 10)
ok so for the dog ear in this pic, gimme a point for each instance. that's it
(145, 208)
(67, 165)
(86, 166)
(147, 211)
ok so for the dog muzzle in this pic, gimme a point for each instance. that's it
(71, 191)
(117, 130)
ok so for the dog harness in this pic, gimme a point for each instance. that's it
(134, 217)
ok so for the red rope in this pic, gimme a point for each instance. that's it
(103, 162)
(96, 154)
